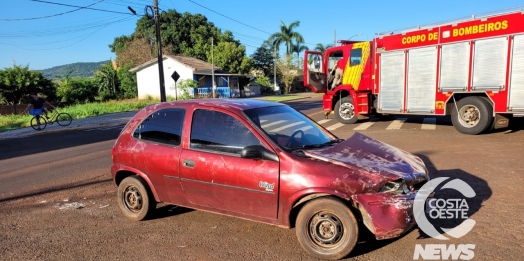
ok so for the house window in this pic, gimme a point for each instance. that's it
(202, 81)
(220, 82)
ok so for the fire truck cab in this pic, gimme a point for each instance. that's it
(472, 70)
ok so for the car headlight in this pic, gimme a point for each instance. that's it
(395, 187)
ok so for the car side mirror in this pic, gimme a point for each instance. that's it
(258, 152)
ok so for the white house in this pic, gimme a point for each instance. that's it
(188, 68)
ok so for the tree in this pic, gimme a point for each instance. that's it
(108, 82)
(263, 60)
(286, 36)
(76, 90)
(18, 82)
(322, 48)
(137, 51)
(288, 70)
(128, 84)
(231, 57)
(185, 34)
(298, 48)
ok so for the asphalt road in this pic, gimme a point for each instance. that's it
(57, 201)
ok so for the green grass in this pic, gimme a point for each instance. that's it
(12, 122)
(281, 98)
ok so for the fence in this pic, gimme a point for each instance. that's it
(223, 92)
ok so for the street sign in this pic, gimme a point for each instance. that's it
(175, 76)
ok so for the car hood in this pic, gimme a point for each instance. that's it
(374, 157)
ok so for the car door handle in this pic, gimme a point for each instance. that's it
(188, 163)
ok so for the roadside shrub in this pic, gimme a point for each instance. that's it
(187, 86)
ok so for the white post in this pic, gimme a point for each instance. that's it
(212, 68)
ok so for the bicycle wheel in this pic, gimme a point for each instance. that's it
(63, 119)
(38, 123)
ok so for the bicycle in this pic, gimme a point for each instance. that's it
(61, 118)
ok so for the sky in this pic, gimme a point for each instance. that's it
(45, 33)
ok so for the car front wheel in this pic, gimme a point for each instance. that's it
(327, 229)
(135, 199)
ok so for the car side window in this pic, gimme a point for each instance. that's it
(220, 132)
(163, 126)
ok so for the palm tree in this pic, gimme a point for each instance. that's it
(286, 36)
(107, 80)
(298, 48)
(322, 48)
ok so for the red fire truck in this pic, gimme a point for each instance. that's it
(472, 70)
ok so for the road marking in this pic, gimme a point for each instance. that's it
(364, 125)
(287, 126)
(323, 121)
(396, 124)
(429, 124)
(335, 126)
(262, 121)
(273, 123)
(309, 115)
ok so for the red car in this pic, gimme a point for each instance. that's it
(269, 163)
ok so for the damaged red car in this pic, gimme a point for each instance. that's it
(266, 162)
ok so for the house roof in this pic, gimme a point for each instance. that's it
(194, 63)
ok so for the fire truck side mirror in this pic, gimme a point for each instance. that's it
(317, 62)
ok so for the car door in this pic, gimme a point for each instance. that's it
(214, 175)
(157, 139)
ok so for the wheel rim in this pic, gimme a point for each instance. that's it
(133, 199)
(469, 116)
(346, 111)
(325, 230)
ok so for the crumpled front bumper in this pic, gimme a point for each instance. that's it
(386, 215)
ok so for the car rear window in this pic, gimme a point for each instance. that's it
(163, 126)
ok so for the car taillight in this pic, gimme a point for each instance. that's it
(113, 154)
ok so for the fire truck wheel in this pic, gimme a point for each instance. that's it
(474, 115)
(345, 111)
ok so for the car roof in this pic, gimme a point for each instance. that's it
(231, 104)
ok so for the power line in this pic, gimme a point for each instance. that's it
(227, 17)
(86, 36)
(49, 16)
(96, 9)
(70, 29)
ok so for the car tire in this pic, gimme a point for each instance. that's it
(135, 199)
(473, 115)
(345, 111)
(327, 229)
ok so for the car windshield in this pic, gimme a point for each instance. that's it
(289, 128)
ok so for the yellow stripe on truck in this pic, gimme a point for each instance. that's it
(352, 74)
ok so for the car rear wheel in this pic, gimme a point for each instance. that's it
(135, 199)
(327, 229)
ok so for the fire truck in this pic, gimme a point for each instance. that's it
(471, 69)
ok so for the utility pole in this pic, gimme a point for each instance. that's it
(159, 49)
(212, 68)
